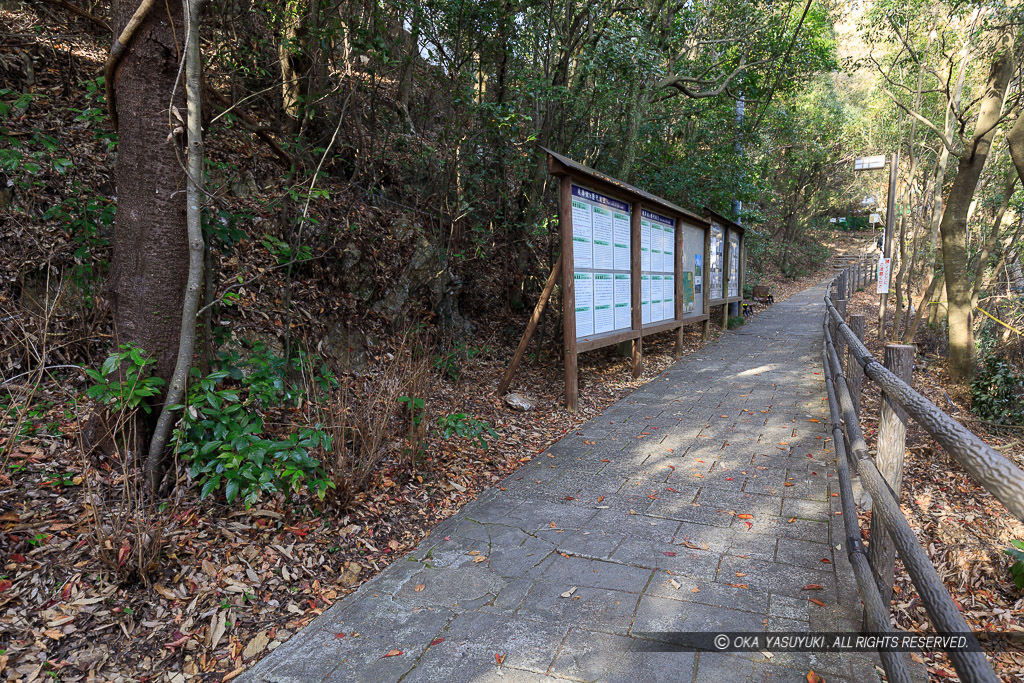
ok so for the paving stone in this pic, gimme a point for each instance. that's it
(640, 518)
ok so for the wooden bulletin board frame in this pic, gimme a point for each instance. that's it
(569, 172)
(729, 229)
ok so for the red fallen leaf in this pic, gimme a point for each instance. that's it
(749, 525)
(738, 585)
(393, 653)
(569, 498)
(499, 658)
(600, 498)
(789, 483)
(728, 478)
(744, 516)
(670, 553)
(816, 601)
(5, 584)
(791, 520)
(653, 497)
(814, 678)
(178, 642)
(825, 560)
(834, 495)
(669, 488)
(437, 641)
(122, 554)
(17, 557)
(605, 460)
(813, 587)
(339, 636)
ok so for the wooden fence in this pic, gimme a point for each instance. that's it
(847, 362)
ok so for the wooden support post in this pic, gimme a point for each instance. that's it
(677, 269)
(706, 283)
(568, 292)
(840, 344)
(531, 327)
(892, 436)
(854, 372)
(726, 252)
(635, 273)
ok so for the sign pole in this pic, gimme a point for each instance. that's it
(636, 311)
(890, 220)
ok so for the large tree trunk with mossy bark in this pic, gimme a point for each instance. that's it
(150, 259)
(953, 227)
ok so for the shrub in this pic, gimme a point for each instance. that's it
(997, 392)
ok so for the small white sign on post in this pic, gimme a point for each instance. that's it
(842, 220)
(874, 218)
(884, 272)
(869, 163)
(831, 220)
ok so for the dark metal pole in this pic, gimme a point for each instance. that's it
(890, 221)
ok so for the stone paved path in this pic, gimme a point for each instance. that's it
(640, 511)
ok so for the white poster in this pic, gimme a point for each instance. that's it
(668, 251)
(657, 242)
(645, 245)
(884, 272)
(602, 221)
(623, 299)
(584, 285)
(604, 303)
(645, 299)
(582, 235)
(621, 239)
(668, 297)
(656, 298)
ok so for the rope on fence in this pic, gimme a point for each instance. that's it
(944, 615)
(998, 475)
(875, 610)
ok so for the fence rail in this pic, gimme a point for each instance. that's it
(882, 476)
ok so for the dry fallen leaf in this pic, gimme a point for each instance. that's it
(419, 587)
(392, 653)
(813, 587)
(814, 678)
(816, 601)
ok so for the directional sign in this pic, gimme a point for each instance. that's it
(869, 163)
(874, 218)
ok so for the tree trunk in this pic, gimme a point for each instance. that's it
(150, 260)
(636, 98)
(953, 226)
(194, 201)
(287, 55)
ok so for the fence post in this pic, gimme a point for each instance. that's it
(837, 339)
(892, 437)
(854, 373)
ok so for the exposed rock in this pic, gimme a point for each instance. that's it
(520, 402)
(349, 347)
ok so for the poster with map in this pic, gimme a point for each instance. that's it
(687, 292)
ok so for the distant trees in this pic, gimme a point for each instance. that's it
(966, 62)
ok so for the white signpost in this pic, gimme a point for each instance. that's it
(884, 271)
(874, 218)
